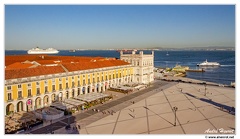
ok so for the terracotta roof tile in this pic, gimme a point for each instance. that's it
(19, 65)
(29, 72)
(93, 65)
(71, 63)
(45, 62)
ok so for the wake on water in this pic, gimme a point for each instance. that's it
(227, 65)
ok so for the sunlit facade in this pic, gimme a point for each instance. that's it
(37, 86)
(143, 65)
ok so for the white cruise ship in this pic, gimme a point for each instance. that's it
(42, 51)
(206, 63)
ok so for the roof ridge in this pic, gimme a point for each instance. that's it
(64, 68)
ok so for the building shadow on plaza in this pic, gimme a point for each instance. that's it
(223, 107)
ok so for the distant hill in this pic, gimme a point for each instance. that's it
(207, 48)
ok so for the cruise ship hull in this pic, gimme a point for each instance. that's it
(43, 52)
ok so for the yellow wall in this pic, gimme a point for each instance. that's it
(34, 89)
(57, 84)
(49, 85)
(124, 71)
(42, 88)
(5, 93)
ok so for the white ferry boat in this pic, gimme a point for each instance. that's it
(206, 63)
(37, 50)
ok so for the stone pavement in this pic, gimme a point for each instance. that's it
(90, 116)
(152, 112)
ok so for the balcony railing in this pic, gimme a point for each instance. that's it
(38, 94)
(29, 96)
(46, 92)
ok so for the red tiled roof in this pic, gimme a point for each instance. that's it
(93, 65)
(29, 72)
(21, 58)
(18, 65)
(71, 63)
(45, 62)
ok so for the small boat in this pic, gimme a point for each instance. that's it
(72, 50)
(37, 50)
(167, 54)
(206, 63)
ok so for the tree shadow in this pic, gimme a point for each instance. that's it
(46, 120)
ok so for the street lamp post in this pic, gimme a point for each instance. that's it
(175, 113)
(205, 89)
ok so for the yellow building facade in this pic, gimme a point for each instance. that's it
(30, 93)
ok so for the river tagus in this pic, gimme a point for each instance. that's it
(224, 74)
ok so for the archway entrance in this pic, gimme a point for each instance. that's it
(67, 95)
(73, 93)
(9, 109)
(38, 103)
(46, 100)
(78, 91)
(53, 97)
(19, 106)
(60, 96)
(83, 90)
(97, 87)
(29, 105)
(93, 88)
(106, 84)
(88, 89)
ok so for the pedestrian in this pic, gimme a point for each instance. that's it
(79, 127)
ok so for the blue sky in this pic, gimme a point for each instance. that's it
(118, 26)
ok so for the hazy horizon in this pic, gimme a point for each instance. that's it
(118, 26)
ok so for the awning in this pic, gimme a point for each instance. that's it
(91, 97)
